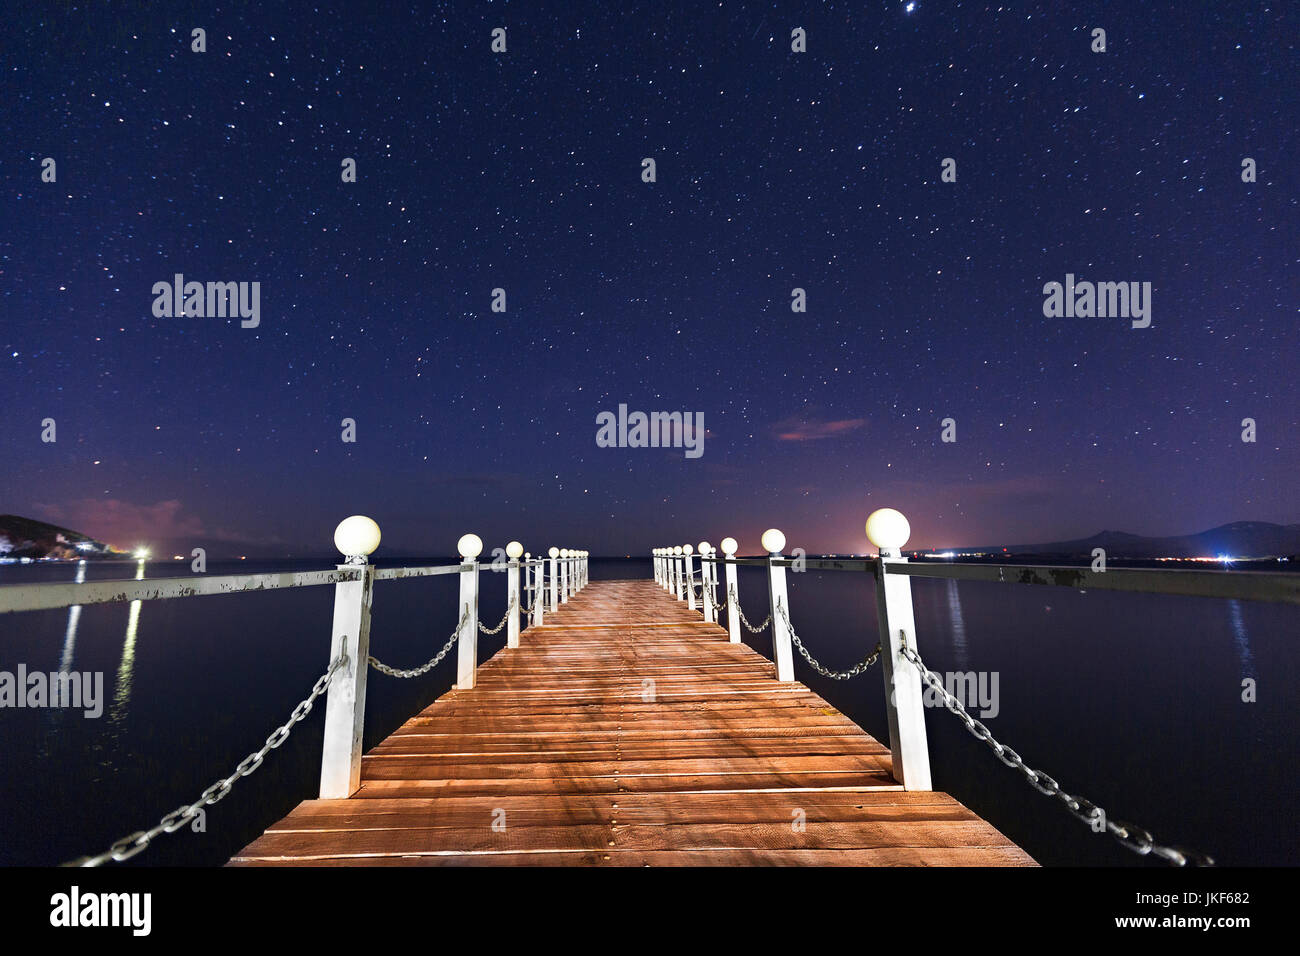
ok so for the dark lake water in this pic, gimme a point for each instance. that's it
(1131, 700)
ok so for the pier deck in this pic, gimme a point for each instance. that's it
(627, 731)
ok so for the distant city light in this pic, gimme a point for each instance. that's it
(142, 553)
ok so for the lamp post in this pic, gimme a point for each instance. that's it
(706, 580)
(889, 530)
(470, 547)
(356, 538)
(729, 548)
(779, 600)
(554, 554)
(514, 550)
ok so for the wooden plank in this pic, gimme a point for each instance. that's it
(626, 731)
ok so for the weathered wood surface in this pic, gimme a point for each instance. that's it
(563, 754)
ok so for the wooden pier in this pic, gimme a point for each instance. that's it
(626, 731)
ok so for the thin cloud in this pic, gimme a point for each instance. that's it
(799, 428)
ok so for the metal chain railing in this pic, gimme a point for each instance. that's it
(137, 842)
(1133, 837)
(432, 662)
(514, 603)
(717, 608)
(745, 621)
(853, 671)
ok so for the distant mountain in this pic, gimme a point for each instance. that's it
(29, 538)
(1241, 539)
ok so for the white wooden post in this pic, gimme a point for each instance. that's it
(779, 602)
(470, 546)
(539, 591)
(659, 567)
(555, 579)
(677, 573)
(687, 552)
(345, 705)
(729, 547)
(345, 701)
(564, 575)
(706, 580)
(513, 551)
(904, 704)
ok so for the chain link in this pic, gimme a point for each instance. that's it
(505, 617)
(137, 842)
(1133, 837)
(745, 621)
(717, 608)
(853, 671)
(433, 661)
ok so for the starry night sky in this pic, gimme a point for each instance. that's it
(775, 170)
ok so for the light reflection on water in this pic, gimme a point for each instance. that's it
(74, 616)
(125, 670)
(957, 625)
(1241, 639)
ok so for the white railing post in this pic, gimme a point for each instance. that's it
(530, 586)
(345, 702)
(677, 572)
(513, 551)
(888, 530)
(658, 567)
(706, 579)
(555, 579)
(779, 602)
(689, 572)
(469, 546)
(564, 575)
(729, 548)
(539, 591)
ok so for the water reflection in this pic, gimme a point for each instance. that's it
(1241, 639)
(74, 616)
(958, 626)
(122, 693)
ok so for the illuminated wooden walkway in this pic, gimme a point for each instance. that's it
(627, 731)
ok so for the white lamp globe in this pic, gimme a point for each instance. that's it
(729, 546)
(528, 555)
(687, 549)
(773, 541)
(677, 550)
(704, 547)
(554, 552)
(888, 529)
(356, 536)
(470, 546)
(514, 550)
(564, 552)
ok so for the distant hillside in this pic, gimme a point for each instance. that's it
(1241, 539)
(28, 538)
